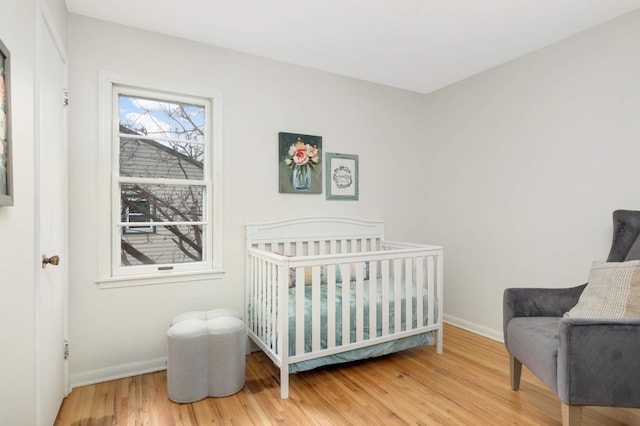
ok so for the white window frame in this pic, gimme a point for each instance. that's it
(111, 273)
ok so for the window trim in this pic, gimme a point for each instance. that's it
(108, 275)
(206, 263)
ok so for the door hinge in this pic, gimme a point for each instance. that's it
(65, 98)
(66, 349)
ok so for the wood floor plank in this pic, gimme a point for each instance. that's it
(467, 385)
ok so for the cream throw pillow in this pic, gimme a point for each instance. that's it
(613, 291)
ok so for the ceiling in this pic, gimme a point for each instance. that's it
(417, 45)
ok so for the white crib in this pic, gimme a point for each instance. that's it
(298, 272)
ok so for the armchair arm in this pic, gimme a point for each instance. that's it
(598, 362)
(537, 302)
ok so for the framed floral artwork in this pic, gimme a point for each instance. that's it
(342, 176)
(300, 171)
(6, 183)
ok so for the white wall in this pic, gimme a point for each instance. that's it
(120, 331)
(525, 164)
(17, 322)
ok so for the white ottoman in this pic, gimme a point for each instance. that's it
(187, 361)
(227, 347)
(205, 357)
(206, 315)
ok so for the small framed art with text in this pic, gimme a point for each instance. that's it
(342, 176)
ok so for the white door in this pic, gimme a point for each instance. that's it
(51, 226)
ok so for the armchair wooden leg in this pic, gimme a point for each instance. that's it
(571, 414)
(515, 368)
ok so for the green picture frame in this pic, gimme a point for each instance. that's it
(342, 176)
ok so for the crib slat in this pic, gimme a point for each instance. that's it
(276, 312)
(256, 292)
(420, 292)
(439, 283)
(346, 311)
(373, 288)
(385, 297)
(264, 290)
(261, 297)
(299, 310)
(397, 296)
(268, 307)
(359, 302)
(251, 321)
(271, 315)
(431, 290)
(315, 308)
(282, 322)
(408, 293)
(331, 306)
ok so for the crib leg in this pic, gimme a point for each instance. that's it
(440, 339)
(284, 382)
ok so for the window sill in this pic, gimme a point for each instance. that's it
(174, 278)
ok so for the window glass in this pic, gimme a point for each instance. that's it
(167, 245)
(151, 159)
(171, 203)
(163, 184)
(162, 119)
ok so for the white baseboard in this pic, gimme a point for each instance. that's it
(117, 372)
(474, 328)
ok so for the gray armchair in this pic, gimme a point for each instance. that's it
(583, 361)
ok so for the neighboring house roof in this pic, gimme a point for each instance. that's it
(161, 146)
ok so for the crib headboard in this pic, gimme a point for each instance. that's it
(317, 228)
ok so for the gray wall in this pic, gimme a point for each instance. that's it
(525, 164)
(121, 331)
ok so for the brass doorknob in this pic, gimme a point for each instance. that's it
(53, 260)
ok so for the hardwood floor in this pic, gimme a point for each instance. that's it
(467, 385)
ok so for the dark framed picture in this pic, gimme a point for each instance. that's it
(299, 168)
(342, 176)
(6, 175)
